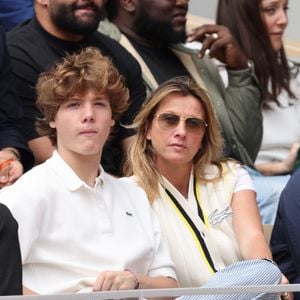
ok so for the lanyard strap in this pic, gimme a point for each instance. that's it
(199, 210)
(194, 231)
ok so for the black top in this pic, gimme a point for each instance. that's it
(33, 51)
(10, 256)
(161, 61)
(11, 109)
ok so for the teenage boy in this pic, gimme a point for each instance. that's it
(80, 228)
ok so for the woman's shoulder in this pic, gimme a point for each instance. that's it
(130, 180)
(224, 168)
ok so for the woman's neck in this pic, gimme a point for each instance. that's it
(178, 176)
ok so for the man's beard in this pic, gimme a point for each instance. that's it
(63, 16)
(155, 30)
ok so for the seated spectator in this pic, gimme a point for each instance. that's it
(154, 33)
(285, 235)
(206, 206)
(10, 257)
(72, 215)
(58, 28)
(14, 152)
(259, 34)
(13, 12)
(80, 100)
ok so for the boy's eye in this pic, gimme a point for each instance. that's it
(72, 104)
(101, 103)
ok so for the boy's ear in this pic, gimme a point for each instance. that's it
(52, 124)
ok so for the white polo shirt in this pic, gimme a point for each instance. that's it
(70, 232)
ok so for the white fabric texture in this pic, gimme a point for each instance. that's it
(217, 231)
(244, 181)
(70, 232)
(281, 125)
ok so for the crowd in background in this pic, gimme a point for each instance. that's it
(204, 124)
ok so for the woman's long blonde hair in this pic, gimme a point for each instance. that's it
(141, 155)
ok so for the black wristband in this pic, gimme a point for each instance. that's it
(270, 260)
(137, 283)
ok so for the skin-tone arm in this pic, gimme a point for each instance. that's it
(124, 280)
(42, 148)
(127, 280)
(242, 97)
(221, 45)
(280, 167)
(248, 227)
(11, 167)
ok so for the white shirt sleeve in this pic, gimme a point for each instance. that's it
(244, 181)
(25, 209)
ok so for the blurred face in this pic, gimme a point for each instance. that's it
(177, 130)
(162, 20)
(274, 16)
(75, 16)
(83, 124)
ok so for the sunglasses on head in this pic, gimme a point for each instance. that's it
(170, 121)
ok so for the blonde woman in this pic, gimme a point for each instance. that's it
(206, 205)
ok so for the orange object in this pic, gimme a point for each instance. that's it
(4, 164)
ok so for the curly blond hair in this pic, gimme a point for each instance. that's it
(77, 73)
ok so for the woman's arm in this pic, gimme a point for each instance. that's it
(248, 227)
(280, 167)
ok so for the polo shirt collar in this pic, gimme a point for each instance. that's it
(66, 174)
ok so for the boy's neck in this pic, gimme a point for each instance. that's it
(86, 167)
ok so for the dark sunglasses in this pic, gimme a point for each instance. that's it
(169, 121)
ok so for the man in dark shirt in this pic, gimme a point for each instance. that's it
(12, 143)
(154, 31)
(60, 27)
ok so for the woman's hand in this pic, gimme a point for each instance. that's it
(286, 296)
(281, 167)
(289, 163)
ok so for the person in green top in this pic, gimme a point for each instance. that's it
(154, 32)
